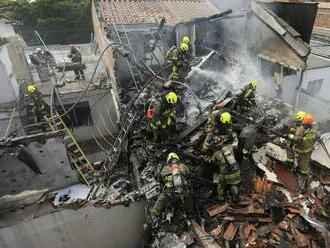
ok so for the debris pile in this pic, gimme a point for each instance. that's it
(263, 220)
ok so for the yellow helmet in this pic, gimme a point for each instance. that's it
(172, 155)
(184, 47)
(185, 39)
(31, 88)
(254, 84)
(300, 116)
(172, 98)
(225, 118)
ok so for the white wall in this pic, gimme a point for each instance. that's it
(318, 105)
(315, 74)
(7, 93)
(6, 30)
(8, 82)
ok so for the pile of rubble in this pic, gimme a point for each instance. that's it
(264, 219)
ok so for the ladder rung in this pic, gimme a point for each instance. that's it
(76, 151)
(57, 124)
(89, 173)
(70, 145)
(80, 159)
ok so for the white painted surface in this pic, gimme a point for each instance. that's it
(75, 192)
(6, 29)
(7, 92)
(118, 227)
(316, 74)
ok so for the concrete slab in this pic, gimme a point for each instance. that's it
(84, 228)
(51, 159)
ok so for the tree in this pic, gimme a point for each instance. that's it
(58, 22)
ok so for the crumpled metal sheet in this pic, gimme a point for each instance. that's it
(286, 177)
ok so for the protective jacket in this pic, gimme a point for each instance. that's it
(214, 128)
(36, 101)
(75, 56)
(160, 114)
(304, 139)
(174, 176)
(246, 99)
(176, 57)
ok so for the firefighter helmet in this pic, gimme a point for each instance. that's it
(185, 39)
(300, 116)
(172, 155)
(172, 98)
(31, 88)
(308, 119)
(254, 84)
(225, 118)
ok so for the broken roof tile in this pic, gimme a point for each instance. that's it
(230, 231)
(217, 209)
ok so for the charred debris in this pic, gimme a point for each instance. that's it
(274, 209)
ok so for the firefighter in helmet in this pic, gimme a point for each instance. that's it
(220, 143)
(161, 116)
(174, 178)
(303, 145)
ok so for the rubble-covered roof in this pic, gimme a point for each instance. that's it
(150, 11)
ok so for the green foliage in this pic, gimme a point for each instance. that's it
(57, 21)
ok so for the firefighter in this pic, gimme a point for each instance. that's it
(178, 57)
(174, 178)
(292, 130)
(246, 99)
(303, 145)
(221, 140)
(161, 115)
(76, 58)
(37, 106)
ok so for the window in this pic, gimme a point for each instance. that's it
(78, 116)
(314, 86)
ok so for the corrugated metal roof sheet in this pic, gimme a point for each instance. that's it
(150, 11)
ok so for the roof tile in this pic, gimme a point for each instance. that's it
(150, 11)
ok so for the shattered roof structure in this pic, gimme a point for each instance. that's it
(146, 11)
(296, 51)
(302, 23)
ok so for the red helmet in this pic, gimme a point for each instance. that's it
(308, 119)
